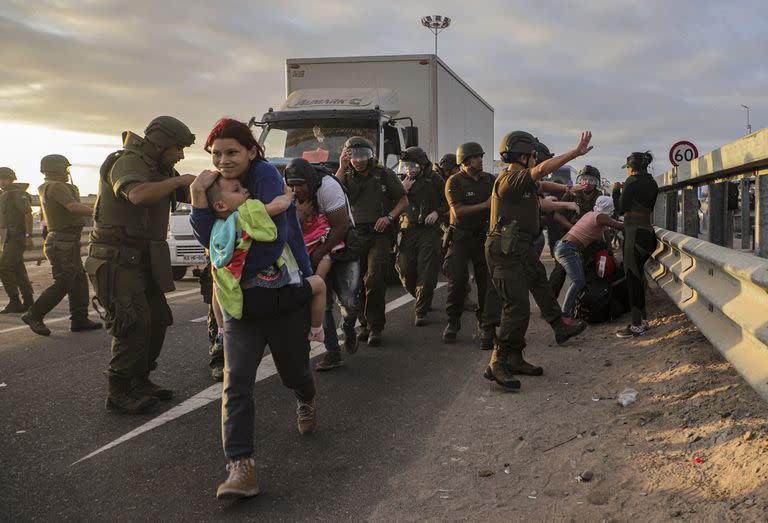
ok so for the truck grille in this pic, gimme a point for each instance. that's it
(189, 250)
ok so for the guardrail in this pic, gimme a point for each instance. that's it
(724, 293)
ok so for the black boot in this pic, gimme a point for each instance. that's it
(564, 332)
(14, 306)
(451, 330)
(142, 386)
(517, 365)
(487, 338)
(36, 324)
(27, 301)
(84, 324)
(122, 399)
(498, 372)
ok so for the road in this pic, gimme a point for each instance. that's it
(409, 431)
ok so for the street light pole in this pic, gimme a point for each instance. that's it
(435, 24)
(749, 127)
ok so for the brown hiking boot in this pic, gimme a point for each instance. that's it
(498, 372)
(122, 399)
(144, 387)
(306, 416)
(36, 324)
(241, 482)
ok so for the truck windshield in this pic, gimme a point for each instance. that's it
(317, 142)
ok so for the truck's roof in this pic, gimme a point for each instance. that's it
(388, 58)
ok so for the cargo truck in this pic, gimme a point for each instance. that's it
(394, 101)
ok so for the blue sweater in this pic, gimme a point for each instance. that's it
(264, 183)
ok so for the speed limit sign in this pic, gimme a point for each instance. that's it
(682, 151)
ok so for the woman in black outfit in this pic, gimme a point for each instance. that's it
(636, 200)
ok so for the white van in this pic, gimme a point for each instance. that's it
(185, 250)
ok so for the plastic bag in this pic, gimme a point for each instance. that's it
(627, 397)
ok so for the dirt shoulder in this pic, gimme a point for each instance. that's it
(694, 446)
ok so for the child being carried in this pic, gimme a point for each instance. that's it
(241, 221)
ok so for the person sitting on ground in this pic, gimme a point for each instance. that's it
(240, 221)
(317, 229)
(569, 250)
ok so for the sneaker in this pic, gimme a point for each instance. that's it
(241, 482)
(567, 319)
(217, 373)
(316, 334)
(331, 360)
(631, 331)
(645, 324)
(306, 416)
(36, 324)
(363, 334)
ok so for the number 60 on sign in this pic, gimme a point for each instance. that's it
(682, 151)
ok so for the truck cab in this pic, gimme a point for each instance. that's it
(314, 124)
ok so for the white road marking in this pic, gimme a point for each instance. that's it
(213, 393)
(170, 296)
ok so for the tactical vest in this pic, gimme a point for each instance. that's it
(57, 217)
(519, 203)
(371, 189)
(423, 199)
(13, 199)
(116, 217)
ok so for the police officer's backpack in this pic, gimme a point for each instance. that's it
(605, 296)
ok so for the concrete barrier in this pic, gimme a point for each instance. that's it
(724, 293)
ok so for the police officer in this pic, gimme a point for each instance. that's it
(15, 236)
(447, 166)
(418, 259)
(377, 198)
(468, 193)
(65, 216)
(515, 267)
(128, 260)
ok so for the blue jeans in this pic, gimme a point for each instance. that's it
(568, 254)
(343, 281)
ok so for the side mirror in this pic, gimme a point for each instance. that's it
(411, 135)
(392, 161)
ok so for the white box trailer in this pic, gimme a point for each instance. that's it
(411, 88)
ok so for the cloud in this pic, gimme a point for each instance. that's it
(640, 75)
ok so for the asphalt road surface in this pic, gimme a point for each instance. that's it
(64, 457)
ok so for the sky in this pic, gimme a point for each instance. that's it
(640, 75)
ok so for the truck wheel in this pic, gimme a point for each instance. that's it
(179, 271)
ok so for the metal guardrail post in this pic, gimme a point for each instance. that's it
(718, 214)
(746, 215)
(690, 213)
(761, 216)
(671, 211)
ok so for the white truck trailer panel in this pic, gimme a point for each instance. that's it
(446, 111)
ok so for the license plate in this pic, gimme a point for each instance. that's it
(193, 258)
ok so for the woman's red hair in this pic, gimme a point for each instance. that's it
(231, 128)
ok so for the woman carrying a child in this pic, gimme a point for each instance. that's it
(263, 283)
(569, 250)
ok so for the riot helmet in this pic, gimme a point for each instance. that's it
(6, 173)
(167, 131)
(467, 150)
(413, 161)
(589, 175)
(542, 152)
(359, 148)
(55, 165)
(448, 162)
(517, 142)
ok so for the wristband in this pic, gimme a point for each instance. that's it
(390, 218)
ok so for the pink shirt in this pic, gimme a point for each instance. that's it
(587, 230)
